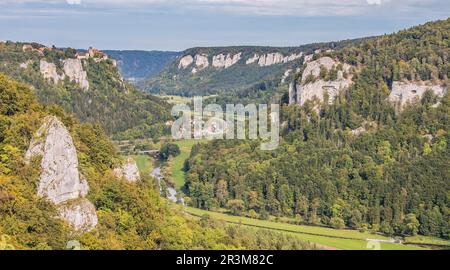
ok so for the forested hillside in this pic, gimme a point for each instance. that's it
(130, 215)
(138, 65)
(89, 86)
(356, 162)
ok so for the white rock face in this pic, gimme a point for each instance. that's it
(308, 57)
(48, 70)
(129, 171)
(285, 75)
(252, 60)
(313, 68)
(319, 87)
(292, 57)
(201, 61)
(225, 61)
(186, 61)
(25, 65)
(60, 181)
(363, 128)
(409, 92)
(80, 214)
(272, 59)
(73, 68)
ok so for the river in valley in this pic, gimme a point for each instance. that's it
(171, 192)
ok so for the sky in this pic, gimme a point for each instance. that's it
(176, 25)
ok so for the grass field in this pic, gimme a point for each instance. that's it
(176, 99)
(428, 240)
(144, 164)
(339, 239)
(176, 164)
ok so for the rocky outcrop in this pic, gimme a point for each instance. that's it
(49, 71)
(225, 61)
(272, 59)
(185, 61)
(366, 125)
(128, 171)
(317, 88)
(25, 64)
(73, 68)
(252, 60)
(201, 61)
(404, 93)
(313, 68)
(292, 57)
(308, 58)
(60, 181)
(285, 75)
(80, 214)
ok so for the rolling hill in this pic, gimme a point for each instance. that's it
(87, 84)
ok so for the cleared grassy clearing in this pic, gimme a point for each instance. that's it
(144, 164)
(176, 99)
(176, 164)
(428, 240)
(340, 239)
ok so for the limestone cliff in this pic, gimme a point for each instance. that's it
(225, 61)
(316, 88)
(285, 75)
(201, 61)
(222, 60)
(272, 59)
(128, 171)
(49, 72)
(80, 214)
(404, 93)
(185, 61)
(60, 180)
(73, 68)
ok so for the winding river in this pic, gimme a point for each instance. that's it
(171, 192)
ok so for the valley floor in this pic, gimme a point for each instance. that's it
(323, 237)
(326, 238)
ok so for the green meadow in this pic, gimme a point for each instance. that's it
(325, 237)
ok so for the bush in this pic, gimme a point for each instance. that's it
(337, 223)
(236, 206)
(167, 150)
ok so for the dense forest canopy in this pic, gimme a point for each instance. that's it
(393, 178)
(139, 65)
